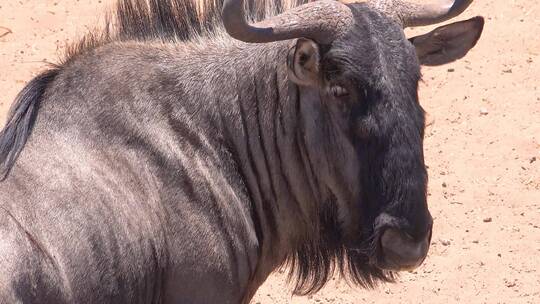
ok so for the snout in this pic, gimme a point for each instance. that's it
(400, 251)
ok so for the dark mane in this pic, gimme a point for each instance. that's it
(170, 20)
(21, 118)
(166, 20)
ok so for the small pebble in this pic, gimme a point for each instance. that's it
(488, 220)
(4, 31)
(484, 111)
(445, 242)
(510, 284)
(430, 120)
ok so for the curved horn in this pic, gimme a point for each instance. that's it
(416, 14)
(322, 21)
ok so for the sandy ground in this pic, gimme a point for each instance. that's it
(483, 153)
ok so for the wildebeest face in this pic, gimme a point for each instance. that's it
(370, 76)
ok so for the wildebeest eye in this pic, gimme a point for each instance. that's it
(338, 91)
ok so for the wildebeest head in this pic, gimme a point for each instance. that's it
(355, 61)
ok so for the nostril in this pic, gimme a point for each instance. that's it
(400, 251)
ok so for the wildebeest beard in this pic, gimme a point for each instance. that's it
(315, 262)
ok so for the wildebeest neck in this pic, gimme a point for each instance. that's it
(285, 143)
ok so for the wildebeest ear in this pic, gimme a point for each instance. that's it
(448, 43)
(303, 61)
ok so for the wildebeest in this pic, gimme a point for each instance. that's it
(182, 155)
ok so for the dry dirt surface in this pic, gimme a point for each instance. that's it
(482, 149)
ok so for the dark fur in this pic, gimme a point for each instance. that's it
(21, 120)
(384, 125)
